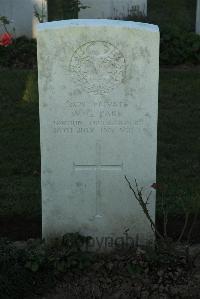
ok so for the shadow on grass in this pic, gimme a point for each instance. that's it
(20, 192)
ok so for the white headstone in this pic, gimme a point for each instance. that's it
(198, 17)
(102, 9)
(98, 85)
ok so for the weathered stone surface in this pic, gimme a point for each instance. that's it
(98, 85)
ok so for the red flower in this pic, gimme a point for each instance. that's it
(157, 186)
(5, 39)
(154, 186)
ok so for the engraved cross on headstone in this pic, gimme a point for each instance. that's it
(98, 167)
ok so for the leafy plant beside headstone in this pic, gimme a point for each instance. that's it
(189, 207)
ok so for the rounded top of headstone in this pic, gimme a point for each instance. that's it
(97, 23)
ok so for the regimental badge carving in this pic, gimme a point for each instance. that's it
(98, 66)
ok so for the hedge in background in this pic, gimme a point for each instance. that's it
(178, 47)
(179, 13)
(22, 53)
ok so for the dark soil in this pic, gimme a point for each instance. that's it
(19, 228)
(125, 275)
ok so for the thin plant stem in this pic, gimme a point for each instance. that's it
(138, 195)
(184, 227)
(192, 225)
(5, 28)
(165, 217)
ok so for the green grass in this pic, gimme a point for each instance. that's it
(19, 146)
(178, 140)
(180, 13)
(178, 135)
